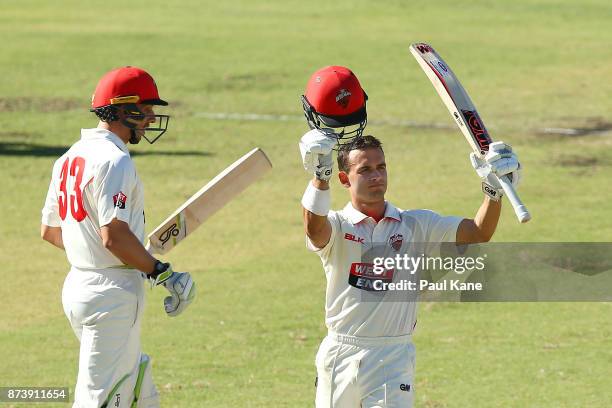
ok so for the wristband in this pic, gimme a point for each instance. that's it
(316, 201)
(161, 272)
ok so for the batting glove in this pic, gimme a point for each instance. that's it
(316, 148)
(499, 161)
(181, 287)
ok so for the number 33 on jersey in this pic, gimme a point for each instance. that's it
(77, 167)
(93, 183)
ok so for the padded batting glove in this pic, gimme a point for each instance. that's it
(499, 161)
(316, 148)
(180, 285)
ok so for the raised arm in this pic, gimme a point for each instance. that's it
(317, 227)
(316, 148)
(482, 227)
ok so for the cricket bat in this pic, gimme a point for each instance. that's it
(464, 112)
(208, 200)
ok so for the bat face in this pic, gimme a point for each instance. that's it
(477, 129)
(208, 200)
(454, 97)
(464, 112)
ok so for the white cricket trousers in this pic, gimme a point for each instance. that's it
(365, 372)
(105, 308)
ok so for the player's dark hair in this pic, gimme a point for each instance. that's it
(358, 143)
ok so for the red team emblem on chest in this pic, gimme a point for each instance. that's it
(119, 200)
(396, 241)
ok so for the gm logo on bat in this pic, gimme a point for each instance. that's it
(458, 119)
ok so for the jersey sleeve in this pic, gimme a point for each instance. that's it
(50, 212)
(335, 227)
(435, 229)
(443, 228)
(114, 190)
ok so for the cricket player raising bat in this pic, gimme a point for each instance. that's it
(95, 211)
(368, 359)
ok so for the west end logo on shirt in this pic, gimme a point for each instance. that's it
(396, 241)
(119, 200)
(362, 276)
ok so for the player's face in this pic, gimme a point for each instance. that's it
(367, 175)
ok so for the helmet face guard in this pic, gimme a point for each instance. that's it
(321, 122)
(130, 116)
(161, 126)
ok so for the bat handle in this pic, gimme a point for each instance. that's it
(519, 208)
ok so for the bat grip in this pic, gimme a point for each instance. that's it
(519, 208)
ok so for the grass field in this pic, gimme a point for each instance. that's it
(250, 338)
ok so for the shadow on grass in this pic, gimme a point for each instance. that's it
(39, 150)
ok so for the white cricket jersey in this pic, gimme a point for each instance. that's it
(92, 183)
(351, 308)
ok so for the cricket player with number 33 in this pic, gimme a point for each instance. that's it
(95, 211)
(367, 358)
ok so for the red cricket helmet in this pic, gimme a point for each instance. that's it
(335, 99)
(120, 91)
(126, 85)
